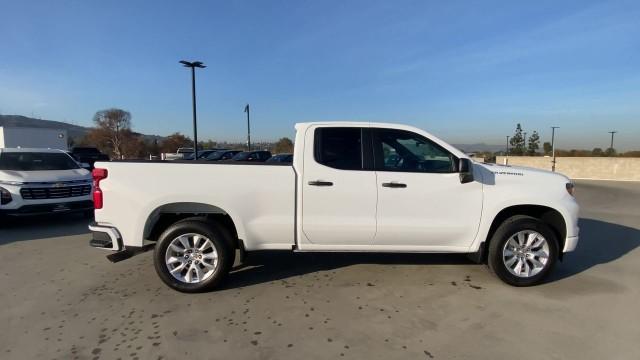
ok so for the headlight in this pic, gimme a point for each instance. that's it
(571, 188)
(17, 183)
(5, 196)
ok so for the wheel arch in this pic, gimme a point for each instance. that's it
(165, 215)
(548, 215)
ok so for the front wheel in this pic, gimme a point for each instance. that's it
(523, 251)
(193, 256)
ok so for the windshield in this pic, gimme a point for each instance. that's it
(216, 155)
(32, 161)
(242, 156)
(281, 158)
(204, 153)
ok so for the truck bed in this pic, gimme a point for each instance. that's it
(259, 198)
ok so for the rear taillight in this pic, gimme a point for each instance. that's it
(98, 174)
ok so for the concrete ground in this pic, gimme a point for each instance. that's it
(61, 299)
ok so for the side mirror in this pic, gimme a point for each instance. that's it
(466, 170)
(85, 165)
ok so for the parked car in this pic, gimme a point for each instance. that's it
(254, 156)
(42, 181)
(180, 154)
(222, 155)
(281, 158)
(201, 154)
(184, 150)
(88, 155)
(340, 194)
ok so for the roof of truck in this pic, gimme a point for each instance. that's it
(359, 123)
(350, 123)
(30, 150)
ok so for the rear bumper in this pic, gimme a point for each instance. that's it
(108, 238)
(49, 208)
(105, 237)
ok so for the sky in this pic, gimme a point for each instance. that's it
(466, 71)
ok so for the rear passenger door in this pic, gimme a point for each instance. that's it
(339, 187)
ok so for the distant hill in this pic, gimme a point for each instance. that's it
(75, 132)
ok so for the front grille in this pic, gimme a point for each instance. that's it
(55, 192)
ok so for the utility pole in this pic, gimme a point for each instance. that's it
(193, 65)
(612, 132)
(246, 109)
(553, 147)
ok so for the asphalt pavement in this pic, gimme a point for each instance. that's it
(61, 299)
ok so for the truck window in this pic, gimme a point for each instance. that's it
(399, 150)
(339, 147)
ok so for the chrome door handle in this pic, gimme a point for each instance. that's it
(394, 185)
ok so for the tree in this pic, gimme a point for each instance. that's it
(133, 146)
(113, 128)
(547, 148)
(517, 142)
(534, 144)
(153, 148)
(284, 145)
(209, 144)
(174, 141)
(610, 152)
(597, 152)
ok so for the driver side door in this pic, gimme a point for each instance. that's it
(421, 202)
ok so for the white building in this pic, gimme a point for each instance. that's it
(26, 137)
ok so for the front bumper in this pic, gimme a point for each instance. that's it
(570, 243)
(49, 208)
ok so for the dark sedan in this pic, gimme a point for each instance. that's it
(281, 158)
(202, 154)
(256, 156)
(222, 155)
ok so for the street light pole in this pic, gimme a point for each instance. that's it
(193, 65)
(553, 148)
(246, 109)
(612, 132)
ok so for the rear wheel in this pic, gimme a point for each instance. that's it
(193, 256)
(523, 251)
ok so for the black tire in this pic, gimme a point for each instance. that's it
(505, 231)
(219, 236)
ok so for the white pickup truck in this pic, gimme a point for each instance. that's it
(362, 187)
